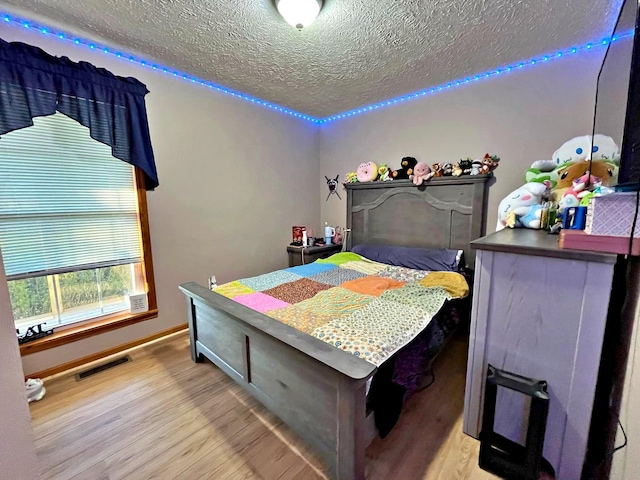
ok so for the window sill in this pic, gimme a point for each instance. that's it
(101, 325)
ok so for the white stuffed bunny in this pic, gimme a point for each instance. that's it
(521, 202)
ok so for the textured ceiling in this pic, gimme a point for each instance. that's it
(356, 53)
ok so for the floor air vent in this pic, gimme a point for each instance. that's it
(103, 367)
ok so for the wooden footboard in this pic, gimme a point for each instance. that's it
(316, 389)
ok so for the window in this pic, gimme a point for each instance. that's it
(72, 227)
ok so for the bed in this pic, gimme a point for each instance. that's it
(319, 390)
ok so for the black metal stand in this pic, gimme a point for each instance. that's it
(503, 456)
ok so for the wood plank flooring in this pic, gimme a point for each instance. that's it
(164, 417)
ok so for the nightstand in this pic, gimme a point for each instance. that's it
(311, 254)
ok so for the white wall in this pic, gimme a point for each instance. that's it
(522, 116)
(17, 451)
(234, 177)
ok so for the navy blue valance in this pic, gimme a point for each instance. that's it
(34, 83)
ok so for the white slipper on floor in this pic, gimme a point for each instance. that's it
(32, 382)
(35, 389)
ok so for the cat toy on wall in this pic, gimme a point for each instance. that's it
(333, 185)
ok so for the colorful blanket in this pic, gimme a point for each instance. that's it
(366, 308)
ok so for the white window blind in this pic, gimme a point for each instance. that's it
(66, 204)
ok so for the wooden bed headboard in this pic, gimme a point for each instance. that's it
(446, 212)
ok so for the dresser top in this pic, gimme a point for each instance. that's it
(526, 241)
(315, 248)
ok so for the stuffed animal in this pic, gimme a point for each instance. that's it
(522, 202)
(476, 165)
(532, 218)
(367, 172)
(421, 173)
(457, 170)
(576, 150)
(447, 169)
(465, 166)
(351, 177)
(384, 174)
(606, 171)
(568, 174)
(580, 149)
(489, 163)
(580, 188)
(436, 168)
(407, 164)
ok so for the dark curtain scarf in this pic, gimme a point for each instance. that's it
(34, 83)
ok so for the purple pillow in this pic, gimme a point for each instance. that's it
(433, 259)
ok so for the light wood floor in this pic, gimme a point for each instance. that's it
(165, 417)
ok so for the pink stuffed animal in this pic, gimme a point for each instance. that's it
(579, 189)
(421, 173)
(367, 172)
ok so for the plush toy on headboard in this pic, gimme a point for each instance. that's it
(351, 177)
(384, 174)
(407, 164)
(367, 172)
(421, 173)
(489, 163)
(476, 166)
(447, 169)
(465, 166)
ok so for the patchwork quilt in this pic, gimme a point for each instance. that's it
(365, 308)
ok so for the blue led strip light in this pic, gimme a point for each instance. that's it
(6, 18)
(47, 31)
(475, 78)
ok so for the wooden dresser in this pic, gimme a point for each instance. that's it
(539, 311)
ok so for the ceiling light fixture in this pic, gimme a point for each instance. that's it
(299, 13)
